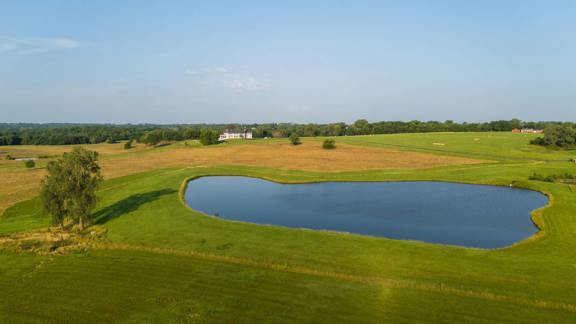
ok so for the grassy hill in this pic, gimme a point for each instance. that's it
(160, 261)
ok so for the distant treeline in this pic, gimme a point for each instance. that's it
(62, 134)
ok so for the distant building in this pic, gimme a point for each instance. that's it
(528, 130)
(235, 134)
(532, 131)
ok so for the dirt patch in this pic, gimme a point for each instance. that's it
(52, 240)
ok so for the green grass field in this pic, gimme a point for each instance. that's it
(488, 145)
(163, 262)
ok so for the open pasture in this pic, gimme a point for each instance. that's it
(18, 183)
(160, 261)
(503, 146)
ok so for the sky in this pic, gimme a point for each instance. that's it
(169, 61)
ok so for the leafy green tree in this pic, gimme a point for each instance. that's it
(151, 138)
(563, 136)
(69, 189)
(209, 137)
(360, 127)
(54, 200)
(329, 144)
(295, 139)
(128, 145)
(30, 164)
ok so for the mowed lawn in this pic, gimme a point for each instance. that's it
(161, 261)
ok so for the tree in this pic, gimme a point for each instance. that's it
(68, 192)
(329, 144)
(30, 164)
(295, 139)
(128, 145)
(150, 138)
(360, 127)
(209, 137)
(563, 136)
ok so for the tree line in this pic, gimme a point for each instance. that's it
(65, 134)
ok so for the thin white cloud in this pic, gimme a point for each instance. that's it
(7, 47)
(220, 70)
(246, 83)
(211, 70)
(224, 77)
(24, 46)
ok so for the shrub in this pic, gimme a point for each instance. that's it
(295, 139)
(128, 145)
(329, 144)
(30, 164)
(46, 156)
(553, 178)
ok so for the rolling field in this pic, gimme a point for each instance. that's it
(159, 261)
(493, 146)
(18, 183)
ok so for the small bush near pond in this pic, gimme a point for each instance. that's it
(329, 144)
(30, 164)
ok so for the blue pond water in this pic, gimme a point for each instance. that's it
(436, 212)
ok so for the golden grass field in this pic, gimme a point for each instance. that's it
(18, 183)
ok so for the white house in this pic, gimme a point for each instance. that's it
(532, 131)
(235, 134)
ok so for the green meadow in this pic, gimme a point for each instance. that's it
(160, 261)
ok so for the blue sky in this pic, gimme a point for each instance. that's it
(297, 61)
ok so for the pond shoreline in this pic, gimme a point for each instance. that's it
(532, 213)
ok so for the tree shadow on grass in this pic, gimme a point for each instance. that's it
(128, 205)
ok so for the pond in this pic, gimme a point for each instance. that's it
(437, 212)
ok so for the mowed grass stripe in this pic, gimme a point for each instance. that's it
(391, 283)
(132, 282)
(157, 282)
(149, 273)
